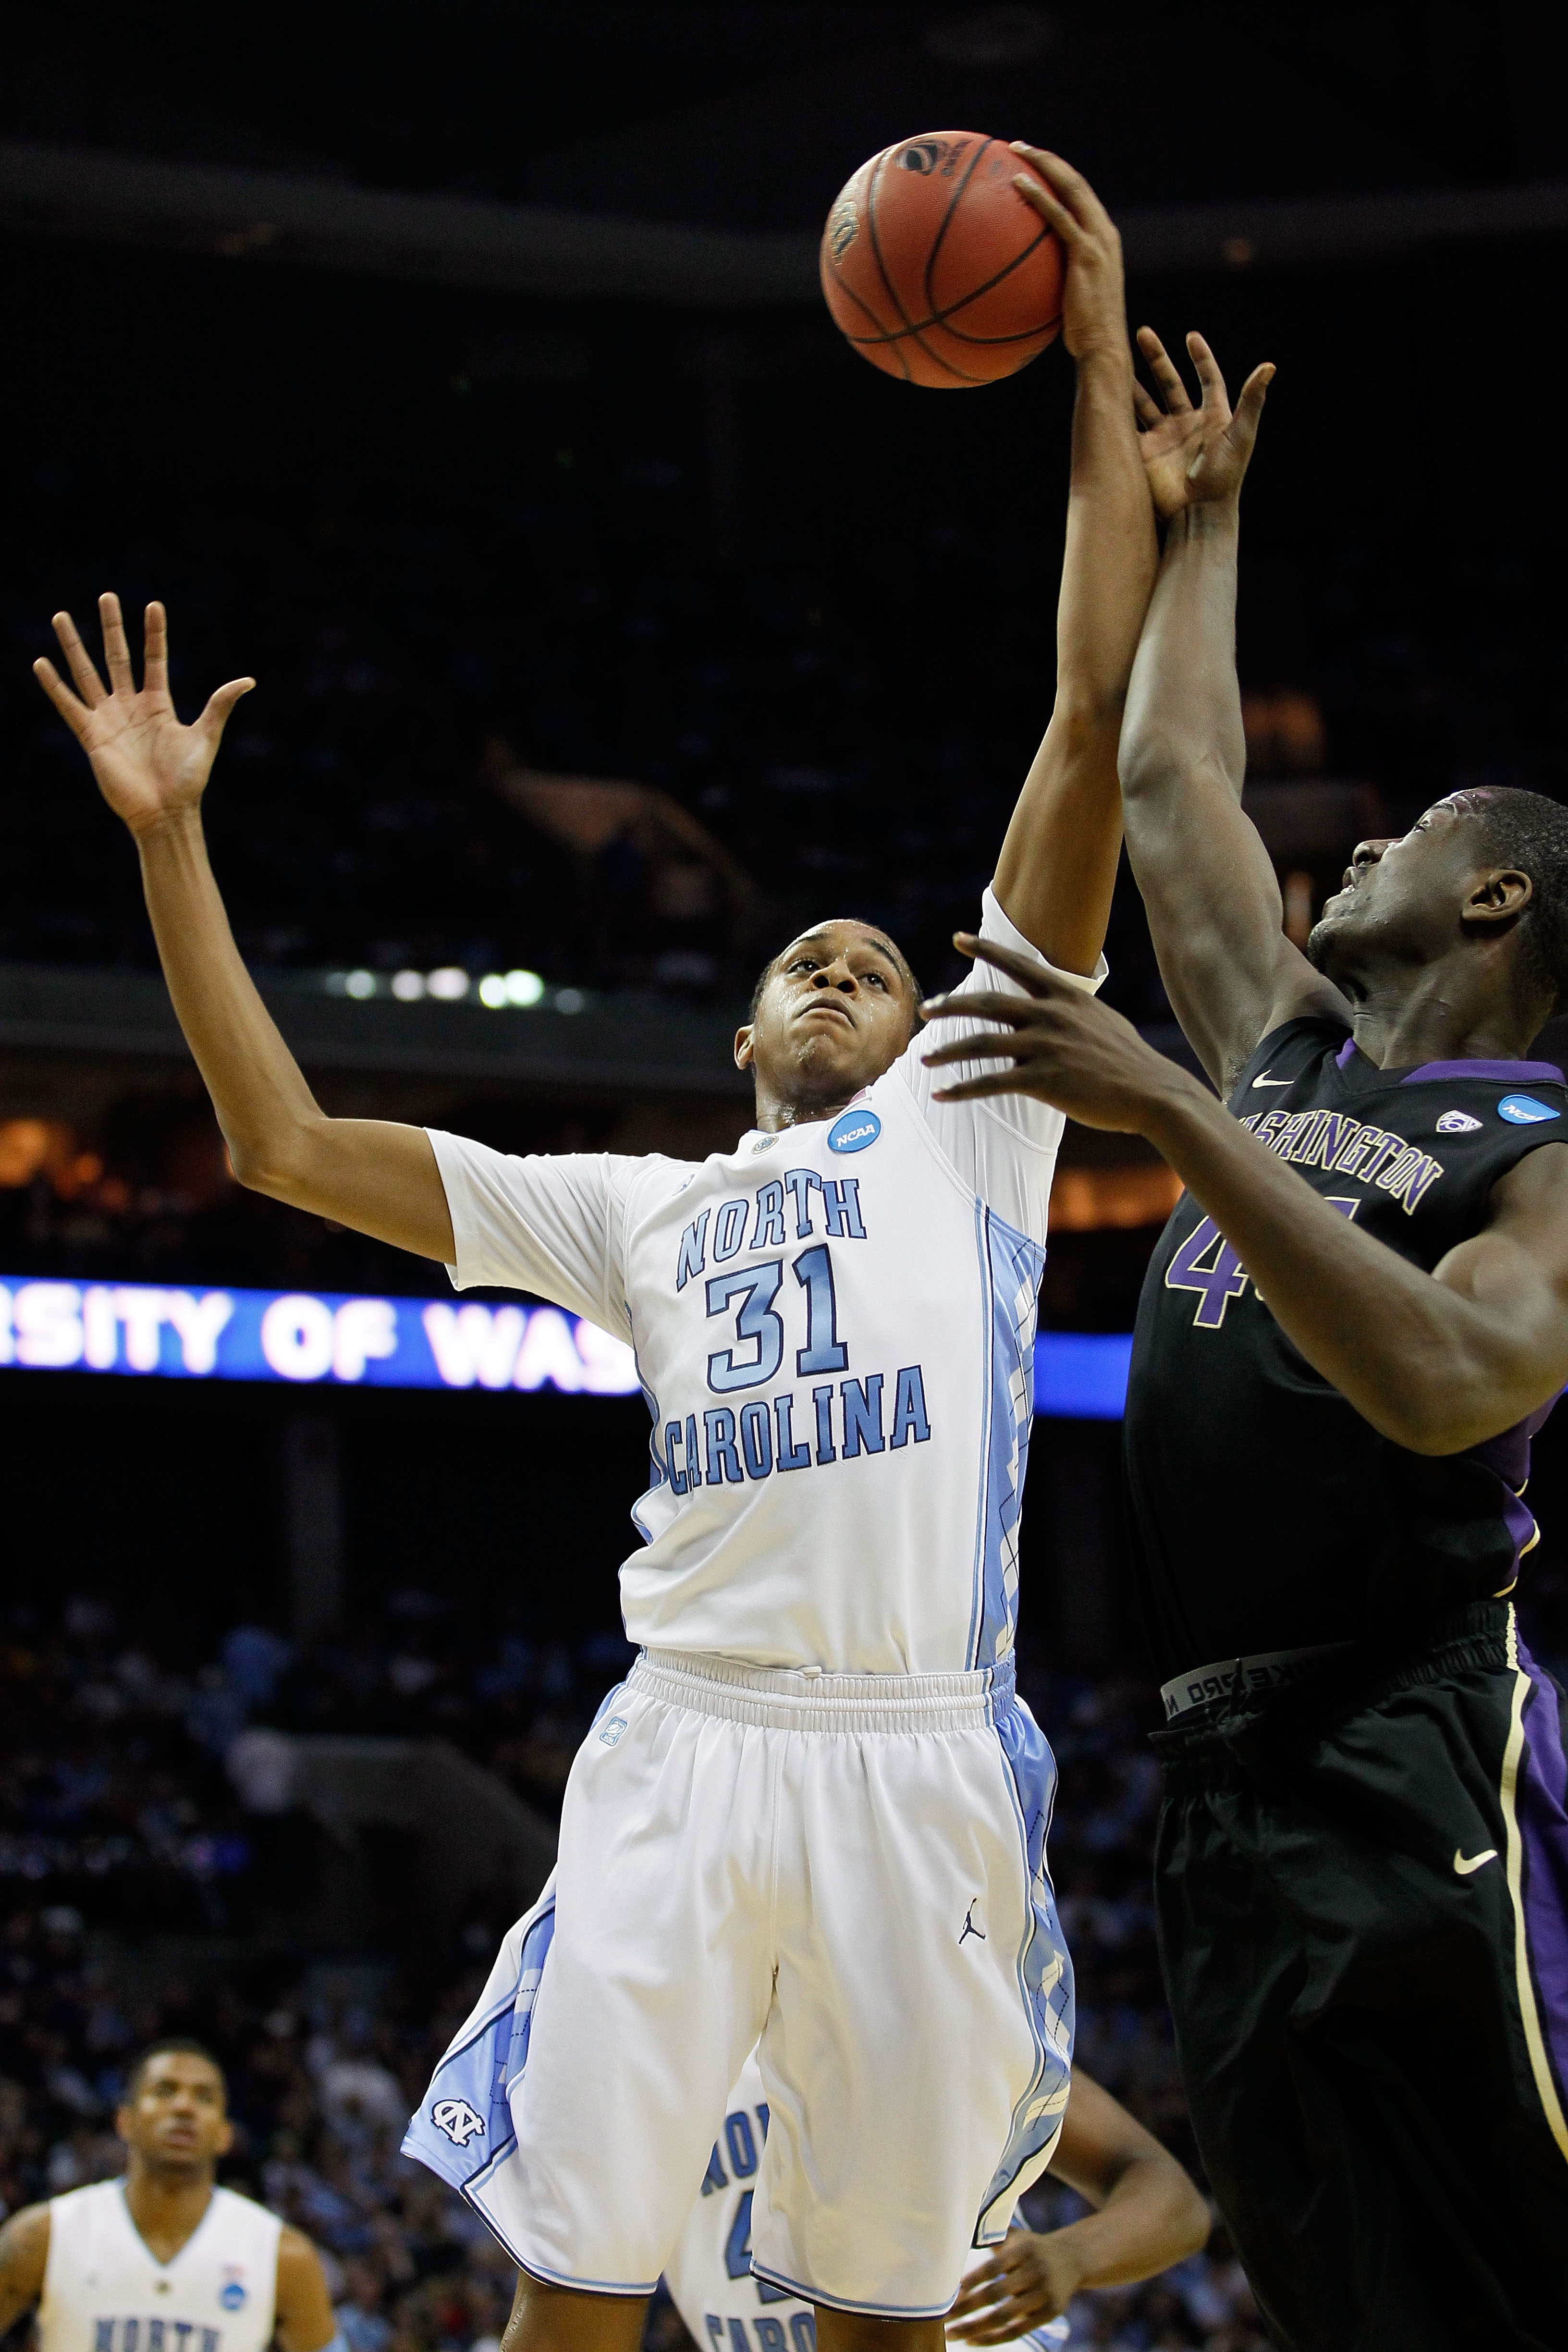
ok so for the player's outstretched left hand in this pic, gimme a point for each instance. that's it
(1029, 2278)
(1195, 455)
(148, 766)
(1094, 300)
(1061, 1045)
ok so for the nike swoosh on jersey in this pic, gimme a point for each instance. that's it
(1267, 1081)
(1464, 1864)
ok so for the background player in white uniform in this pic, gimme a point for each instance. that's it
(162, 2260)
(1148, 2215)
(815, 1813)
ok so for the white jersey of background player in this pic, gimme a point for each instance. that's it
(815, 1813)
(1147, 2216)
(164, 2259)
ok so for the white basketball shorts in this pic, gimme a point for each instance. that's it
(847, 1870)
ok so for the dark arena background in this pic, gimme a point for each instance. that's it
(462, 372)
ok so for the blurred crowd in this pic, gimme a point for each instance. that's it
(143, 1893)
(648, 779)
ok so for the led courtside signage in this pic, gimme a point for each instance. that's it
(327, 1339)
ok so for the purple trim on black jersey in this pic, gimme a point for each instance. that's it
(1542, 1815)
(1509, 1452)
(1346, 1050)
(1503, 1073)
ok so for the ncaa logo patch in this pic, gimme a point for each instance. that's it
(853, 1130)
(612, 1730)
(231, 2294)
(1523, 1111)
(1457, 1122)
(457, 2120)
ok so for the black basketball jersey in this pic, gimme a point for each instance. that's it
(1268, 1514)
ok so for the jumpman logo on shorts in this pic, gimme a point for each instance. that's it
(968, 1927)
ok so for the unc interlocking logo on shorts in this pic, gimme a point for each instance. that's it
(457, 2120)
(854, 1131)
(612, 1730)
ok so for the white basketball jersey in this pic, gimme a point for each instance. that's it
(104, 2291)
(833, 1329)
(710, 2275)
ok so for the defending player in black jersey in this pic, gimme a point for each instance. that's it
(1354, 1322)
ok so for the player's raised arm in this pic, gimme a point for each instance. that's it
(1205, 877)
(1057, 866)
(377, 1177)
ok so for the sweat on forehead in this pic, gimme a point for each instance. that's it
(871, 937)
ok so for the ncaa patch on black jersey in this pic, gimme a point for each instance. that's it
(1523, 1111)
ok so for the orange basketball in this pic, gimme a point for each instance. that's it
(935, 268)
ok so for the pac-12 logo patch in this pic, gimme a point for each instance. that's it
(853, 1129)
(612, 1730)
(457, 2120)
(1457, 1122)
(1523, 1111)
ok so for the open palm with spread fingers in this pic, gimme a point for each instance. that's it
(1195, 455)
(148, 765)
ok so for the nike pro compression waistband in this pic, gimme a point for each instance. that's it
(1266, 1670)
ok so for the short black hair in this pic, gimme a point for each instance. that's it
(172, 2045)
(916, 992)
(1528, 831)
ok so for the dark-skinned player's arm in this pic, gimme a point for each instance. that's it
(304, 2320)
(370, 1174)
(1436, 1361)
(1057, 867)
(23, 2257)
(1206, 880)
(1147, 2214)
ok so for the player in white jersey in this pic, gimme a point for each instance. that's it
(814, 1816)
(1147, 2215)
(162, 2260)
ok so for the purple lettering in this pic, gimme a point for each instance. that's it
(1218, 1282)
(1337, 1128)
(1386, 1150)
(1348, 1161)
(1304, 1149)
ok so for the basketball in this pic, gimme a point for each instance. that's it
(935, 266)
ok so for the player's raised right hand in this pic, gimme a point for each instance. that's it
(148, 767)
(1195, 455)
(1094, 302)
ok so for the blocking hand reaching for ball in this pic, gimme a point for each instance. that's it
(1195, 455)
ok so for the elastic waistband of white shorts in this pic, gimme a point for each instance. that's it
(790, 1699)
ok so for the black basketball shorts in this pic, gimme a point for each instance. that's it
(1362, 1885)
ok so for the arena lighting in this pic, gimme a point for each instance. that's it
(450, 984)
(327, 1340)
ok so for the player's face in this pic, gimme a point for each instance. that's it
(177, 2116)
(1401, 898)
(836, 1012)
